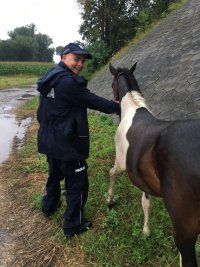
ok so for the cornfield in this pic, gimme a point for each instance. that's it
(29, 68)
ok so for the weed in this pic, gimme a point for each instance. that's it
(36, 200)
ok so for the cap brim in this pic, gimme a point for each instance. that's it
(87, 55)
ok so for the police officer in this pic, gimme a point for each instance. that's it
(63, 135)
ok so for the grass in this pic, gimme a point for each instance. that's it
(17, 81)
(116, 238)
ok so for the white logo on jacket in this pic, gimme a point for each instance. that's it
(80, 169)
(51, 94)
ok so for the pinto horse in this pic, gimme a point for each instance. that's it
(162, 158)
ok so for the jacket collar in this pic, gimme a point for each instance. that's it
(64, 66)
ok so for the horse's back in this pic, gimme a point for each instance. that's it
(180, 142)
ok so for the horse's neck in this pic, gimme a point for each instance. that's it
(131, 102)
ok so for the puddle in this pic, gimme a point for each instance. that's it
(21, 132)
(9, 128)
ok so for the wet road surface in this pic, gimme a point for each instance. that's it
(10, 130)
(10, 99)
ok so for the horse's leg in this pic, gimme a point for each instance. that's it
(184, 231)
(186, 247)
(187, 251)
(112, 174)
(146, 207)
(185, 224)
(181, 265)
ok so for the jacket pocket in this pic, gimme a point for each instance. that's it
(81, 143)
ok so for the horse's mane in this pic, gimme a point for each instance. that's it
(138, 98)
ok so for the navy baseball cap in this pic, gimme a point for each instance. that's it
(75, 49)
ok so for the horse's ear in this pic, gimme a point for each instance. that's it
(112, 69)
(132, 69)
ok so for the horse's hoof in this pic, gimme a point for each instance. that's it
(146, 232)
(111, 204)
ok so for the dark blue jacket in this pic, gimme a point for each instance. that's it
(62, 114)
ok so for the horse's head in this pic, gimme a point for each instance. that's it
(123, 82)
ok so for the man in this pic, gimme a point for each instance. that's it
(63, 135)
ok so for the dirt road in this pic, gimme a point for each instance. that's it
(10, 128)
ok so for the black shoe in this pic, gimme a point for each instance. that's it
(69, 233)
(48, 213)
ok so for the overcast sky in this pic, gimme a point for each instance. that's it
(59, 19)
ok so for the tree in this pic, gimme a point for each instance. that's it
(44, 52)
(109, 24)
(25, 45)
(160, 6)
(28, 30)
(7, 51)
(59, 50)
(100, 55)
(110, 21)
(116, 21)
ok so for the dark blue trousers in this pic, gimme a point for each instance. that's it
(76, 185)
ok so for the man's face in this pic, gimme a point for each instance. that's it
(74, 62)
